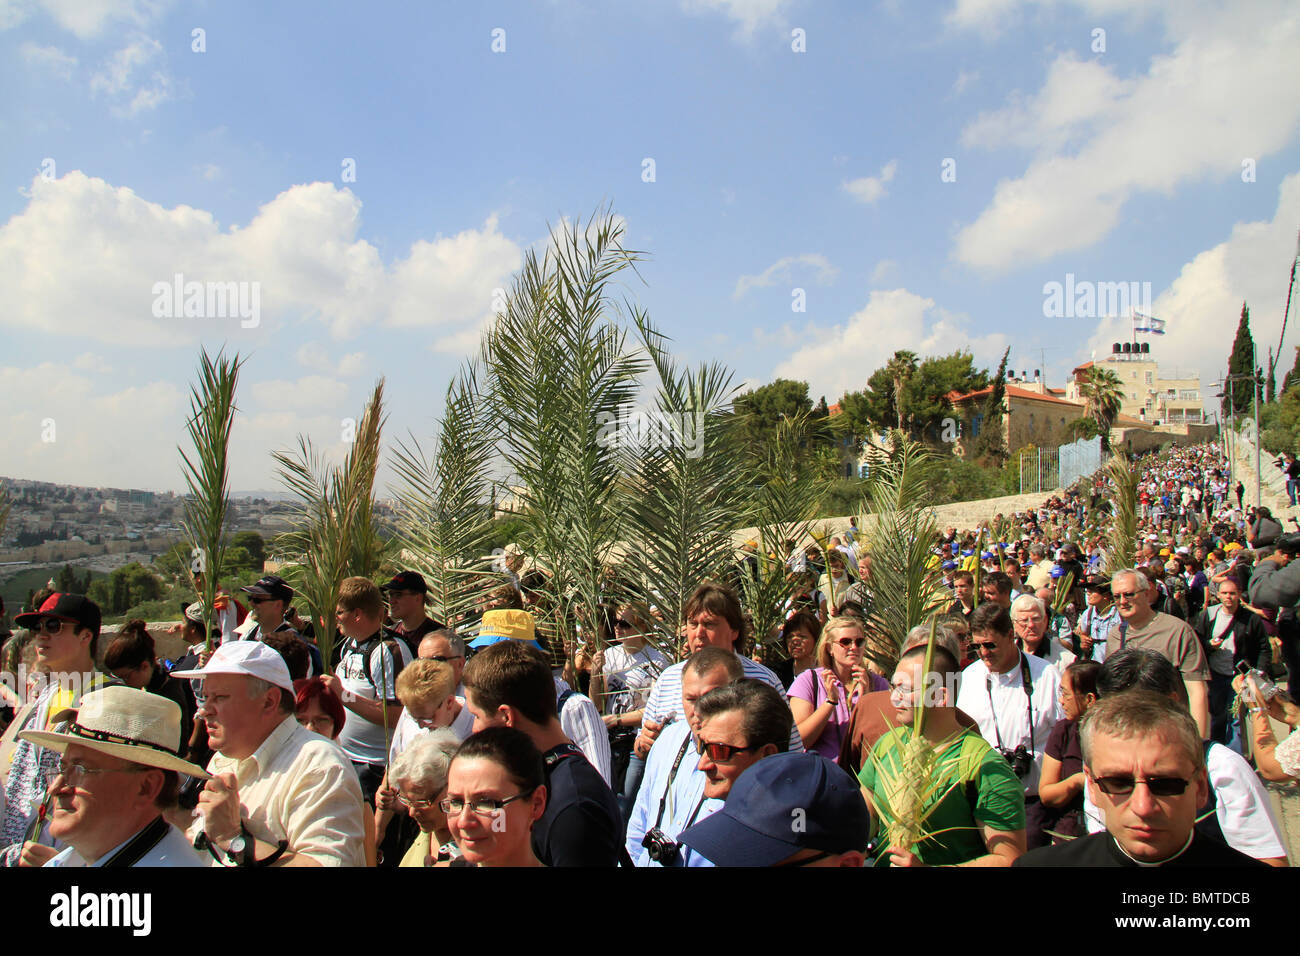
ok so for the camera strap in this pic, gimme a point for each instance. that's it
(1027, 685)
(672, 775)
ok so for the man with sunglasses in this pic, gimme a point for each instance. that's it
(407, 594)
(1014, 697)
(1145, 770)
(445, 646)
(1140, 626)
(671, 796)
(66, 629)
(270, 597)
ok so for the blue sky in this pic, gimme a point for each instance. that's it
(773, 170)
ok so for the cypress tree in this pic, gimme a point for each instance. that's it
(991, 447)
(1240, 362)
(1292, 377)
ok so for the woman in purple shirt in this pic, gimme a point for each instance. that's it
(822, 698)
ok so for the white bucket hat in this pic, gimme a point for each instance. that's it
(123, 722)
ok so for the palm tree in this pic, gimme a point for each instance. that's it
(1103, 393)
(901, 368)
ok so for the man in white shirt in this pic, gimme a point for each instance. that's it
(118, 774)
(280, 794)
(1015, 718)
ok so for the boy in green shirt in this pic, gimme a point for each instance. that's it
(981, 803)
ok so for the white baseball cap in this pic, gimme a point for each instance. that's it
(249, 658)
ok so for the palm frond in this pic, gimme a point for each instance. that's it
(558, 370)
(207, 474)
(446, 515)
(334, 534)
(1121, 540)
(906, 583)
(684, 483)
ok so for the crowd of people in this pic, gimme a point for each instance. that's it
(1047, 713)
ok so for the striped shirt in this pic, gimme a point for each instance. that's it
(666, 697)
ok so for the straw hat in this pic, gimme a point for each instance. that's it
(123, 722)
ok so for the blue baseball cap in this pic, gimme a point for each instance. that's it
(1057, 571)
(948, 565)
(781, 805)
(967, 552)
(986, 555)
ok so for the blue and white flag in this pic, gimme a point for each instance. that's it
(1148, 323)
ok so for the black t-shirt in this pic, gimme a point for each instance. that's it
(582, 825)
(1100, 850)
(412, 638)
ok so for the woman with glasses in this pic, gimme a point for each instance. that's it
(822, 697)
(621, 677)
(496, 791)
(419, 775)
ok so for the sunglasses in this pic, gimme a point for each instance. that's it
(847, 642)
(622, 623)
(50, 625)
(442, 659)
(1122, 785)
(978, 646)
(721, 753)
(1121, 595)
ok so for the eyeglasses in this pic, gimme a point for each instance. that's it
(900, 690)
(1127, 595)
(722, 753)
(414, 804)
(50, 625)
(978, 646)
(482, 807)
(444, 659)
(74, 773)
(847, 642)
(1122, 785)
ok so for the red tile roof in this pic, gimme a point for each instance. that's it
(1012, 392)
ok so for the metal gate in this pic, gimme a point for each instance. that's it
(1038, 470)
(1079, 460)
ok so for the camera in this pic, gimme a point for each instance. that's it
(1021, 760)
(662, 850)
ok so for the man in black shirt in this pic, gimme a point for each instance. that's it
(509, 684)
(1145, 770)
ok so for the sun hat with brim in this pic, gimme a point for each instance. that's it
(754, 826)
(246, 659)
(506, 625)
(122, 722)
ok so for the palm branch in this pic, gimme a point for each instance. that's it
(906, 585)
(559, 370)
(685, 493)
(1121, 540)
(207, 474)
(335, 534)
(782, 500)
(445, 516)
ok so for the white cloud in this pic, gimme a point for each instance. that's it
(49, 59)
(891, 320)
(750, 15)
(964, 79)
(1225, 92)
(1202, 305)
(884, 271)
(82, 258)
(90, 362)
(869, 189)
(781, 271)
(117, 79)
(210, 172)
(83, 18)
(310, 391)
(313, 355)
